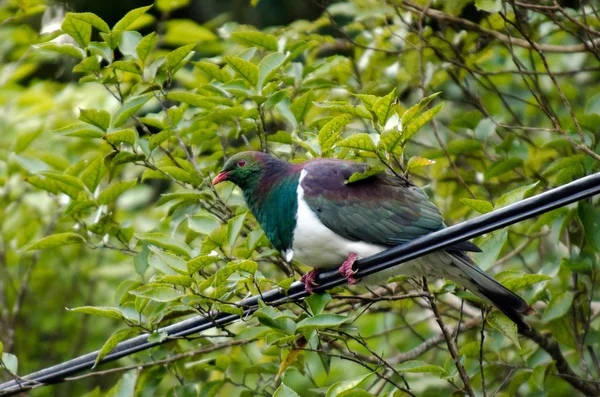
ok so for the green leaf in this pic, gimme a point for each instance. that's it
(175, 57)
(102, 311)
(127, 44)
(130, 18)
(501, 167)
(146, 45)
(234, 227)
(165, 242)
(360, 141)
(78, 29)
(93, 174)
(499, 321)
(415, 366)
(337, 389)
(88, 65)
(538, 376)
(10, 361)
(128, 109)
(515, 195)
(524, 281)
(259, 39)
(491, 248)
(213, 71)
(302, 105)
(203, 224)
(331, 131)
(281, 137)
(157, 292)
(369, 172)
(157, 139)
(117, 336)
(589, 215)
(53, 241)
(284, 391)
(490, 6)
(127, 66)
(247, 70)
(412, 112)
(419, 121)
(317, 302)
(384, 107)
(193, 99)
(558, 306)
(92, 19)
(416, 161)
(174, 262)
(232, 267)
(171, 5)
(321, 321)
(67, 49)
(481, 206)
(347, 108)
(200, 262)
(267, 67)
(95, 117)
(115, 190)
(122, 136)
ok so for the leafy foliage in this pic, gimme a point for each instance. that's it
(107, 207)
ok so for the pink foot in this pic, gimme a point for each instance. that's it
(309, 280)
(346, 268)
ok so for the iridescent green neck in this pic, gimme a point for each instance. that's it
(273, 201)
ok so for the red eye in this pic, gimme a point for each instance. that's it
(241, 163)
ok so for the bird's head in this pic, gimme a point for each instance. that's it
(244, 169)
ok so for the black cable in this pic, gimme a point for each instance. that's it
(528, 208)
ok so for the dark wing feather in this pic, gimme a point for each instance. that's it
(382, 209)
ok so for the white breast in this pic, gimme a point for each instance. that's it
(316, 245)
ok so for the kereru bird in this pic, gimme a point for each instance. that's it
(310, 213)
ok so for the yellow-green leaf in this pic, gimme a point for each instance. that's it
(165, 242)
(78, 29)
(175, 57)
(129, 18)
(384, 107)
(416, 161)
(481, 206)
(412, 112)
(127, 135)
(129, 108)
(115, 190)
(92, 19)
(302, 105)
(93, 174)
(252, 39)
(199, 262)
(369, 172)
(117, 336)
(499, 321)
(419, 121)
(247, 70)
(331, 131)
(360, 141)
(102, 311)
(345, 107)
(98, 118)
(213, 71)
(55, 240)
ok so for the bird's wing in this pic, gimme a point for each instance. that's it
(382, 209)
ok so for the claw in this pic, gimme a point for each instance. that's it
(308, 280)
(346, 268)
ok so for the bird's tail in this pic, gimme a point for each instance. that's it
(488, 289)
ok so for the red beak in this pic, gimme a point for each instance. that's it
(220, 178)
